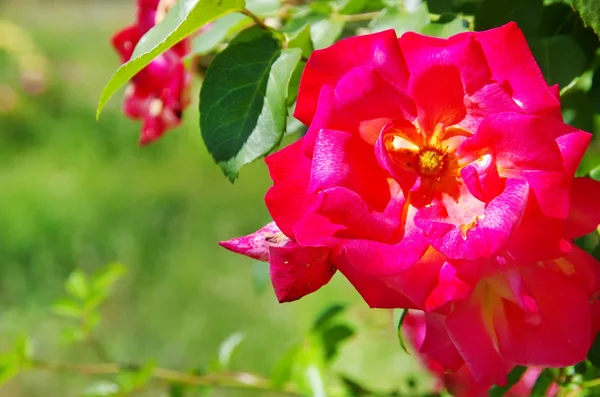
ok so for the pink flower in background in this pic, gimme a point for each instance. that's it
(158, 94)
(438, 174)
(461, 383)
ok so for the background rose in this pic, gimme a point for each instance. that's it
(438, 174)
(158, 94)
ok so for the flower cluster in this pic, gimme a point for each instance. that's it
(438, 174)
(158, 94)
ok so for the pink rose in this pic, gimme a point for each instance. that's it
(438, 174)
(158, 94)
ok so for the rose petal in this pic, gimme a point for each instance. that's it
(327, 66)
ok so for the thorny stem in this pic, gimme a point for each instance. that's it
(225, 380)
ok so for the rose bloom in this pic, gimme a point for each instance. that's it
(461, 382)
(158, 94)
(438, 174)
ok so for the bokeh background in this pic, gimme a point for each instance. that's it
(79, 193)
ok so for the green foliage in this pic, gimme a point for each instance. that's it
(559, 57)
(182, 20)
(590, 12)
(513, 377)
(243, 99)
(526, 13)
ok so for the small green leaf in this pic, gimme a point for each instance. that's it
(400, 19)
(595, 173)
(263, 6)
(526, 13)
(72, 335)
(282, 373)
(590, 12)
(243, 99)
(512, 378)
(303, 41)
(542, 384)
(399, 316)
(324, 319)
(77, 284)
(107, 276)
(560, 58)
(353, 6)
(8, 370)
(183, 19)
(326, 32)
(444, 30)
(333, 337)
(227, 349)
(208, 40)
(67, 308)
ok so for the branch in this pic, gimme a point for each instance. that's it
(225, 380)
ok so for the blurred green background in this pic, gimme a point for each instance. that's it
(79, 193)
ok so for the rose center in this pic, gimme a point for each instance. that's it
(431, 162)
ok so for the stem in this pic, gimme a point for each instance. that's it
(591, 383)
(357, 17)
(231, 380)
(255, 18)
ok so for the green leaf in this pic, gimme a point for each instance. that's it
(560, 58)
(333, 337)
(512, 378)
(282, 373)
(228, 347)
(263, 6)
(590, 12)
(208, 40)
(326, 32)
(243, 99)
(526, 13)
(353, 6)
(135, 380)
(400, 19)
(183, 19)
(303, 41)
(67, 308)
(72, 335)
(595, 173)
(107, 276)
(399, 316)
(324, 319)
(77, 284)
(444, 30)
(542, 384)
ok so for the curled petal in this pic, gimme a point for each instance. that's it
(297, 271)
(584, 215)
(562, 320)
(287, 199)
(525, 148)
(471, 333)
(343, 160)
(512, 64)
(326, 67)
(482, 179)
(438, 93)
(449, 288)
(461, 51)
(256, 245)
(486, 234)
